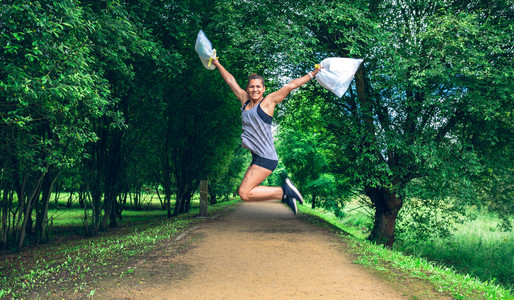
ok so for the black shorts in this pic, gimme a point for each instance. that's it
(266, 163)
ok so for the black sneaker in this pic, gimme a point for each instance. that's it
(291, 202)
(292, 191)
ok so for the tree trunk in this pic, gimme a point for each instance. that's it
(26, 225)
(204, 197)
(4, 228)
(83, 194)
(69, 202)
(163, 205)
(96, 206)
(213, 199)
(166, 184)
(184, 195)
(180, 201)
(166, 181)
(112, 181)
(119, 209)
(167, 200)
(313, 206)
(387, 205)
(187, 202)
(110, 207)
(42, 207)
(58, 188)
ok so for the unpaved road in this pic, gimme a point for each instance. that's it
(259, 251)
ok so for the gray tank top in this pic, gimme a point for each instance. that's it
(257, 136)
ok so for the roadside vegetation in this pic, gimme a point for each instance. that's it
(471, 263)
(72, 262)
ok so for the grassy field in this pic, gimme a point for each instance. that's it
(476, 247)
(69, 221)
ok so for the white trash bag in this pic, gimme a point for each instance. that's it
(204, 49)
(337, 73)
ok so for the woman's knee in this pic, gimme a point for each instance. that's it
(244, 195)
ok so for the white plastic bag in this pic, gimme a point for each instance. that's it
(337, 73)
(204, 49)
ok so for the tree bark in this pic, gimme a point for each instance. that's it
(166, 180)
(180, 202)
(69, 203)
(4, 207)
(112, 181)
(387, 205)
(96, 205)
(27, 220)
(204, 197)
(42, 207)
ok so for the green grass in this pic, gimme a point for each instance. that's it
(355, 223)
(477, 247)
(69, 221)
(63, 217)
(444, 279)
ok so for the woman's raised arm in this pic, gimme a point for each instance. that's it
(276, 97)
(241, 94)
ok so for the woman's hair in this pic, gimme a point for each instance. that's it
(255, 76)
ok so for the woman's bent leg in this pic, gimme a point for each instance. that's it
(251, 190)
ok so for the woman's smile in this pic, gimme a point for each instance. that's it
(255, 89)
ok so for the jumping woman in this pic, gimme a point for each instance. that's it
(257, 114)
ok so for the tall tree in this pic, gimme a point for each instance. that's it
(127, 58)
(427, 92)
(49, 95)
(200, 123)
(418, 97)
(202, 133)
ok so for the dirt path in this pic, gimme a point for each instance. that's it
(259, 251)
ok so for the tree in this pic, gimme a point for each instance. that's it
(420, 121)
(128, 57)
(418, 97)
(201, 135)
(49, 95)
(302, 154)
(412, 111)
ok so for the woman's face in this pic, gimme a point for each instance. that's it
(255, 89)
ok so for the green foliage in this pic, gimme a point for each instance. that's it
(422, 108)
(225, 182)
(477, 247)
(421, 220)
(305, 151)
(89, 92)
(48, 90)
(263, 44)
(50, 97)
(202, 132)
(300, 153)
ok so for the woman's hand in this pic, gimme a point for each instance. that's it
(215, 61)
(316, 70)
